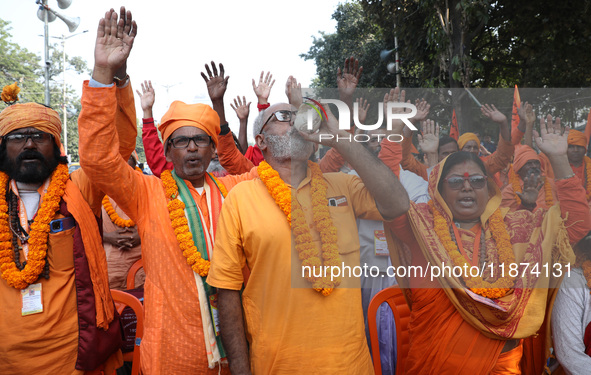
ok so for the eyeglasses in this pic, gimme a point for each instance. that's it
(457, 182)
(200, 140)
(283, 115)
(21, 139)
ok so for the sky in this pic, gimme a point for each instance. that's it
(177, 37)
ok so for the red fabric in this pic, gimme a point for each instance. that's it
(263, 106)
(587, 340)
(454, 131)
(254, 154)
(516, 105)
(153, 148)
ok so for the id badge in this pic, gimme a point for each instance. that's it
(213, 304)
(380, 244)
(32, 302)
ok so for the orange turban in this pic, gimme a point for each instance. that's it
(523, 154)
(465, 138)
(33, 115)
(197, 115)
(577, 138)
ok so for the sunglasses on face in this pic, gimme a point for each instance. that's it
(283, 115)
(200, 140)
(21, 139)
(457, 182)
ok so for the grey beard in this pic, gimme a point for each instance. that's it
(215, 166)
(290, 146)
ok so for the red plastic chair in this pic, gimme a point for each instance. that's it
(132, 271)
(395, 299)
(122, 300)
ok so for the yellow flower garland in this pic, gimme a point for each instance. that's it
(517, 188)
(115, 218)
(588, 170)
(501, 286)
(38, 234)
(304, 243)
(180, 224)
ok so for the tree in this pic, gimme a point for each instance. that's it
(462, 44)
(19, 65)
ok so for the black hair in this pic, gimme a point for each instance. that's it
(457, 158)
(445, 139)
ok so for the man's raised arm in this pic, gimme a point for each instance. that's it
(99, 144)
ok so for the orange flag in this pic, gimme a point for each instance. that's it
(588, 127)
(454, 130)
(516, 105)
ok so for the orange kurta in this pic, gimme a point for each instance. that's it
(173, 335)
(291, 328)
(46, 342)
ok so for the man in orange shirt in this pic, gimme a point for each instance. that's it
(176, 216)
(297, 319)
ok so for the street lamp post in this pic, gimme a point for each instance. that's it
(48, 15)
(65, 112)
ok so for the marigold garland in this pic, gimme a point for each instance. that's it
(517, 188)
(304, 243)
(38, 234)
(115, 218)
(180, 225)
(501, 286)
(588, 176)
(10, 93)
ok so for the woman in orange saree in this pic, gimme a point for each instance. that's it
(483, 276)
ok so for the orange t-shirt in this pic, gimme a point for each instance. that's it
(291, 328)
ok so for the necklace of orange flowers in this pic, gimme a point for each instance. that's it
(588, 176)
(517, 188)
(180, 224)
(501, 286)
(38, 234)
(114, 216)
(296, 218)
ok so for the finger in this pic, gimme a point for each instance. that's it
(100, 32)
(358, 76)
(204, 77)
(222, 71)
(208, 71)
(355, 66)
(261, 79)
(133, 31)
(339, 73)
(243, 100)
(214, 69)
(254, 85)
(272, 83)
(267, 77)
(248, 105)
(437, 131)
(138, 92)
(113, 25)
(232, 105)
(346, 69)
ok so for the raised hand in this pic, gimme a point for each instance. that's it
(493, 113)
(429, 140)
(147, 98)
(241, 108)
(484, 151)
(263, 89)
(532, 183)
(526, 113)
(422, 110)
(293, 90)
(552, 140)
(216, 83)
(362, 108)
(348, 79)
(395, 96)
(113, 44)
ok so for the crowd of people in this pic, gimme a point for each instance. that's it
(226, 231)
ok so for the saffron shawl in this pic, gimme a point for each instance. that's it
(537, 238)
